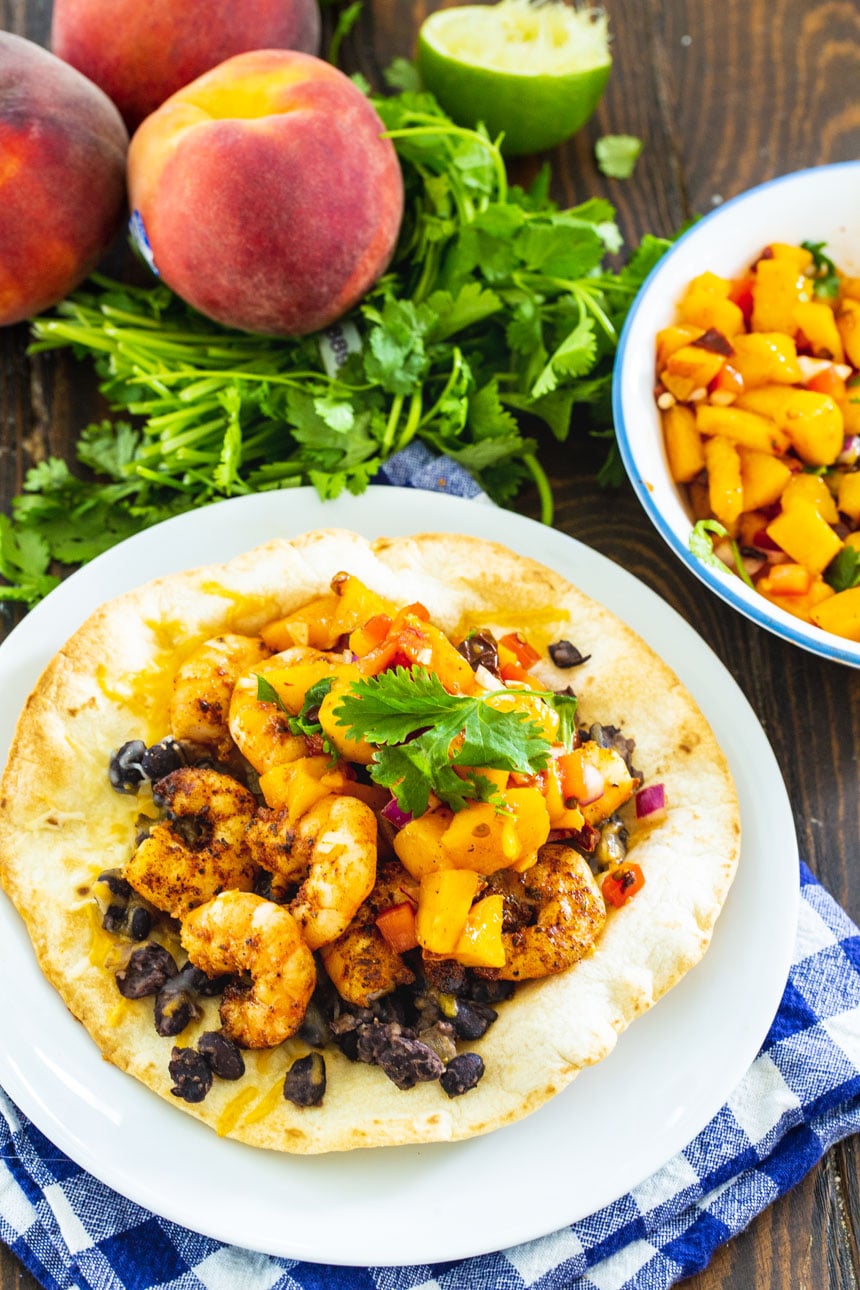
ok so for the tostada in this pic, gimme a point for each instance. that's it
(349, 844)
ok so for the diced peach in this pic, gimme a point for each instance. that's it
(444, 902)
(480, 942)
(796, 255)
(763, 477)
(779, 287)
(840, 614)
(725, 488)
(848, 495)
(801, 606)
(683, 443)
(848, 323)
(805, 536)
(742, 426)
(813, 422)
(418, 845)
(765, 357)
(810, 488)
(815, 319)
(669, 339)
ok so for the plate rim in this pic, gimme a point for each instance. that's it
(519, 533)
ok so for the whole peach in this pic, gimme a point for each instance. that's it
(142, 51)
(62, 177)
(264, 193)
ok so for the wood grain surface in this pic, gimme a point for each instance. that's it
(724, 95)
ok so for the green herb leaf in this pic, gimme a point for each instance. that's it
(422, 732)
(826, 277)
(617, 155)
(266, 693)
(843, 572)
(701, 545)
(307, 722)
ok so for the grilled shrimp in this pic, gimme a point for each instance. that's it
(202, 687)
(260, 727)
(199, 849)
(361, 963)
(560, 909)
(240, 932)
(336, 839)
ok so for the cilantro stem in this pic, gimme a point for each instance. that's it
(411, 131)
(413, 421)
(538, 474)
(453, 375)
(391, 424)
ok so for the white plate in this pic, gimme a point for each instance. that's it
(613, 1126)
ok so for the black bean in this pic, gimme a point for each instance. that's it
(408, 1062)
(462, 1073)
(473, 1019)
(305, 1080)
(160, 759)
(487, 990)
(175, 1004)
(139, 922)
(146, 971)
(114, 917)
(314, 1029)
(222, 1054)
(375, 1037)
(564, 654)
(191, 1074)
(125, 771)
(116, 884)
(479, 649)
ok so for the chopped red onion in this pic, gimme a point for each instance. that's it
(394, 815)
(651, 803)
(850, 453)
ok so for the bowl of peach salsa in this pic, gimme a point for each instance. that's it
(737, 405)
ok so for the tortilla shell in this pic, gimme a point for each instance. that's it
(61, 824)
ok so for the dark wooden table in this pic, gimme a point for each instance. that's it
(724, 95)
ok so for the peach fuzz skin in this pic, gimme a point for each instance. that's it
(142, 51)
(62, 177)
(269, 199)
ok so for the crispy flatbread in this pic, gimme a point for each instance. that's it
(61, 824)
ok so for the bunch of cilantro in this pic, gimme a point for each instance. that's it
(497, 307)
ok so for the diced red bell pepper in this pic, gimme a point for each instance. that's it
(525, 654)
(514, 671)
(621, 883)
(741, 294)
(397, 926)
(828, 381)
(373, 633)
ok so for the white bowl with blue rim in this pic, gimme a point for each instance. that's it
(821, 204)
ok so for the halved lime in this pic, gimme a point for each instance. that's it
(531, 69)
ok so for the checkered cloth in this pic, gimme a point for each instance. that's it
(800, 1096)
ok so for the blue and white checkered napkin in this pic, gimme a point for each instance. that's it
(800, 1096)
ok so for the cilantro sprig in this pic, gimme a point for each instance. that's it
(826, 276)
(498, 306)
(422, 733)
(701, 545)
(307, 722)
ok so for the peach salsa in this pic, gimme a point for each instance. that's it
(759, 395)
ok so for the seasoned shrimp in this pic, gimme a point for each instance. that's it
(260, 728)
(240, 932)
(559, 911)
(199, 849)
(203, 685)
(337, 840)
(361, 963)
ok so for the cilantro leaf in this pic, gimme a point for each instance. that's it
(24, 560)
(826, 279)
(307, 722)
(617, 155)
(843, 572)
(423, 733)
(701, 545)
